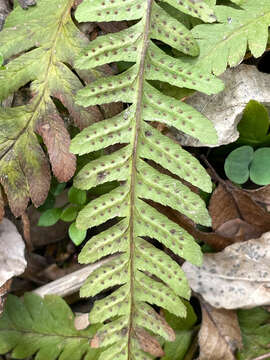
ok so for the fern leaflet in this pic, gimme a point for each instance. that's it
(142, 144)
(41, 44)
(43, 328)
(226, 42)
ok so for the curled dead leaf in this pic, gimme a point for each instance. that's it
(220, 334)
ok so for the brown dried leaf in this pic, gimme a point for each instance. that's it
(261, 195)
(237, 277)
(239, 229)
(112, 26)
(57, 140)
(220, 334)
(148, 343)
(228, 203)
(112, 109)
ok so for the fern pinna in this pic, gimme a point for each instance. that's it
(142, 272)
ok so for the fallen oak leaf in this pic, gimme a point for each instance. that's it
(220, 334)
(237, 277)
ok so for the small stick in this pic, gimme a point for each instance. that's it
(70, 283)
(27, 231)
(262, 357)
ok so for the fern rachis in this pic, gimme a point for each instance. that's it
(139, 221)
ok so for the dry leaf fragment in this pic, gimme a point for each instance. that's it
(261, 195)
(12, 260)
(220, 334)
(81, 322)
(230, 203)
(237, 277)
(242, 84)
(112, 26)
(238, 229)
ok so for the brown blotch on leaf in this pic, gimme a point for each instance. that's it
(148, 343)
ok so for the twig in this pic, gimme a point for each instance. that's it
(262, 357)
(27, 231)
(228, 186)
(70, 283)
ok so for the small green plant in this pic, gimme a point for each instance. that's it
(251, 161)
(254, 125)
(244, 163)
(68, 213)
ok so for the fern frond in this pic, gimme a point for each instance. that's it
(43, 328)
(142, 273)
(226, 43)
(39, 45)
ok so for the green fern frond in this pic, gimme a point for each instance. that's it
(143, 273)
(43, 328)
(40, 45)
(226, 43)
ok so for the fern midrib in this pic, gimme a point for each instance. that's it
(138, 115)
(237, 31)
(40, 99)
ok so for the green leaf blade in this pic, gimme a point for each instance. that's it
(49, 217)
(237, 164)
